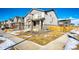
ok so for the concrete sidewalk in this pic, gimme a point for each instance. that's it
(57, 44)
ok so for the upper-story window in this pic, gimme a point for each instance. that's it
(42, 14)
(38, 15)
(35, 16)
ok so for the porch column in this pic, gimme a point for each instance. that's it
(31, 26)
(41, 24)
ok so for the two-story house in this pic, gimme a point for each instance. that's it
(39, 19)
(18, 23)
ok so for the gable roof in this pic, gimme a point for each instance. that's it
(42, 10)
(63, 20)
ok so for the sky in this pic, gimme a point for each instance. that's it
(62, 13)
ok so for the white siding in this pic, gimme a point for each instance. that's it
(15, 19)
(9, 23)
(55, 20)
(51, 19)
(26, 21)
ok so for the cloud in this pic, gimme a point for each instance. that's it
(71, 17)
(75, 21)
(60, 19)
(66, 18)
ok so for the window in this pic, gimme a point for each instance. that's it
(35, 16)
(42, 14)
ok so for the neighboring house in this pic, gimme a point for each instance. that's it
(64, 22)
(39, 19)
(2, 22)
(18, 23)
(10, 23)
(75, 22)
(6, 23)
(72, 24)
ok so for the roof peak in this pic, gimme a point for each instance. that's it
(44, 9)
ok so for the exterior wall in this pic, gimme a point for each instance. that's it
(26, 21)
(20, 23)
(15, 20)
(9, 23)
(51, 19)
(15, 23)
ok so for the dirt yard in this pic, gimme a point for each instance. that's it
(41, 38)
